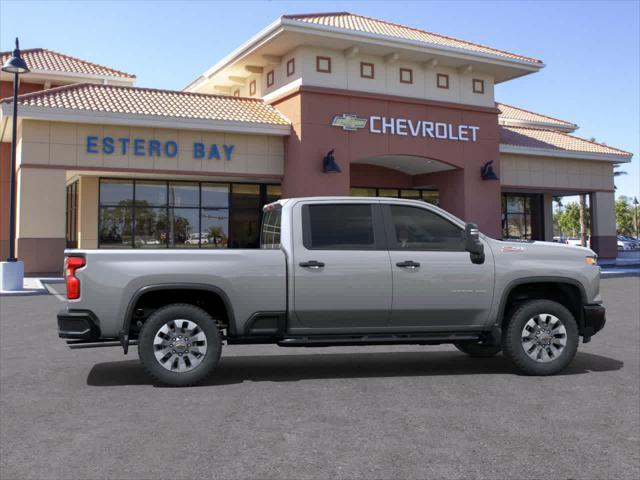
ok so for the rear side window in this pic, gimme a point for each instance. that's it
(338, 227)
(270, 234)
(419, 229)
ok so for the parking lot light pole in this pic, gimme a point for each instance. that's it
(12, 271)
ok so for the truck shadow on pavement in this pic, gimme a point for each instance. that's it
(292, 368)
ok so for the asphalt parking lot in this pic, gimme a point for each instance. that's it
(363, 412)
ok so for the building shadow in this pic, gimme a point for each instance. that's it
(292, 368)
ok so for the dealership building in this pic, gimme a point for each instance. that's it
(317, 104)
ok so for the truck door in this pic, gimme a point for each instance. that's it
(435, 284)
(341, 269)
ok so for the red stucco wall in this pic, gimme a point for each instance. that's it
(462, 191)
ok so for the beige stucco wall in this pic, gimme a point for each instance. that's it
(64, 144)
(41, 203)
(556, 173)
(88, 212)
(345, 74)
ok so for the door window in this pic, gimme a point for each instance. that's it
(419, 229)
(338, 227)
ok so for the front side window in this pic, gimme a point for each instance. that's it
(419, 229)
(338, 227)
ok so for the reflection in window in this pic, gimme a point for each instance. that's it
(419, 229)
(430, 196)
(181, 214)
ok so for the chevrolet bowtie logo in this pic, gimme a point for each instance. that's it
(349, 122)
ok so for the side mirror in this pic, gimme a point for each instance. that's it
(472, 243)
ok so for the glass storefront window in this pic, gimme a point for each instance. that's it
(179, 214)
(184, 228)
(151, 194)
(245, 216)
(521, 216)
(430, 196)
(364, 192)
(215, 195)
(116, 192)
(274, 192)
(116, 227)
(182, 194)
(388, 192)
(151, 227)
(215, 227)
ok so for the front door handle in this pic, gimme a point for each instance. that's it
(312, 264)
(408, 264)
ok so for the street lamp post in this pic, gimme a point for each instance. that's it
(12, 270)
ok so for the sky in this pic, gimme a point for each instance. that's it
(591, 49)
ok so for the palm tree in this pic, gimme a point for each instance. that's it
(583, 219)
(617, 173)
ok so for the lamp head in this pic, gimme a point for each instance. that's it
(15, 63)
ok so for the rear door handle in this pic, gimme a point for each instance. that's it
(408, 264)
(312, 264)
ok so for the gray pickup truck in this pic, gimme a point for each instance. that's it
(338, 271)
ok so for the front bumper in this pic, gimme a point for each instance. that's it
(78, 325)
(593, 321)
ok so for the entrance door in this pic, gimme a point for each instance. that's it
(342, 275)
(435, 284)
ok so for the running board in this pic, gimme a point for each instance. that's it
(353, 340)
(96, 343)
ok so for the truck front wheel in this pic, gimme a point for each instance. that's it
(179, 345)
(541, 337)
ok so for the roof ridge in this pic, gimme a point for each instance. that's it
(537, 60)
(26, 96)
(130, 75)
(129, 87)
(317, 14)
(550, 130)
(22, 50)
(536, 113)
(71, 57)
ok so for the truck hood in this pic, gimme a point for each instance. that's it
(542, 249)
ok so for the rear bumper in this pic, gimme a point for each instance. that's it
(594, 320)
(78, 324)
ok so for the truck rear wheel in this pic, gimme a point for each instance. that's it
(179, 345)
(478, 349)
(541, 337)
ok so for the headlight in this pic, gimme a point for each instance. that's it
(591, 260)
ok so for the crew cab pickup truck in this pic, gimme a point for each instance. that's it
(338, 271)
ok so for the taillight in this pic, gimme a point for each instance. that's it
(73, 284)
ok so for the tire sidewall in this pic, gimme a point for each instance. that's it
(512, 340)
(153, 325)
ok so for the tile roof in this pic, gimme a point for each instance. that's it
(553, 140)
(360, 23)
(43, 59)
(147, 101)
(516, 113)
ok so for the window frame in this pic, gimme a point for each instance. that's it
(480, 82)
(410, 72)
(236, 92)
(270, 78)
(445, 77)
(379, 236)
(291, 66)
(252, 88)
(390, 229)
(373, 70)
(319, 58)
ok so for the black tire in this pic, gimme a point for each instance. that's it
(514, 347)
(162, 317)
(478, 349)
